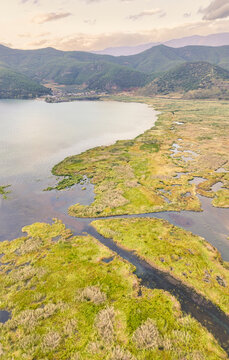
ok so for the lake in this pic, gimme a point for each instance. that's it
(34, 136)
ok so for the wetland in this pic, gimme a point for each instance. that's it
(149, 215)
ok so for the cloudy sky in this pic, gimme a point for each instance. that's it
(97, 24)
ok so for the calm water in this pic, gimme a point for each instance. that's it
(34, 136)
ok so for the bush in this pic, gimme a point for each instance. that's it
(93, 294)
(147, 335)
(120, 354)
(105, 323)
(51, 340)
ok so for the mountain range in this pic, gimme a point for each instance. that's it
(220, 39)
(104, 72)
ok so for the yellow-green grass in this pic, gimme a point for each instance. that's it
(186, 256)
(129, 176)
(4, 191)
(222, 198)
(66, 303)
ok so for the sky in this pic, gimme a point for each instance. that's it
(97, 24)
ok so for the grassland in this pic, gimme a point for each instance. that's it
(4, 191)
(186, 256)
(140, 175)
(67, 303)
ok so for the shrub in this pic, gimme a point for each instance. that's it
(93, 294)
(25, 273)
(70, 327)
(29, 318)
(30, 245)
(105, 323)
(51, 340)
(29, 342)
(147, 335)
(119, 354)
(94, 347)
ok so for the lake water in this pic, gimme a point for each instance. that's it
(34, 136)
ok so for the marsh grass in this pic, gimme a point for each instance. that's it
(93, 294)
(128, 174)
(147, 335)
(119, 354)
(4, 191)
(50, 321)
(51, 341)
(186, 256)
(105, 324)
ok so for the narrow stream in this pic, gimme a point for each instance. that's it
(212, 223)
(192, 303)
(36, 136)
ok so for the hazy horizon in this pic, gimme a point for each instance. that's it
(97, 24)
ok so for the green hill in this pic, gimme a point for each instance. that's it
(104, 72)
(163, 58)
(73, 68)
(16, 85)
(97, 76)
(41, 63)
(196, 79)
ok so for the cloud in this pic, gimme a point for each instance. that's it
(26, 1)
(151, 12)
(90, 21)
(218, 9)
(98, 41)
(29, 35)
(96, 1)
(42, 18)
(187, 15)
(38, 43)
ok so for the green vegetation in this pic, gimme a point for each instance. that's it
(222, 198)
(14, 85)
(99, 76)
(91, 71)
(208, 80)
(140, 175)
(67, 182)
(163, 58)
(4, 191)
(66, 303)
(187, 257)
(110, 73)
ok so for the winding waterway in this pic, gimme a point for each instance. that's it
(34, 136)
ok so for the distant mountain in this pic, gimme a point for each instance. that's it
(15, 85)
(196, 80)
(209, 40)
(126, 50)
(221, 39)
